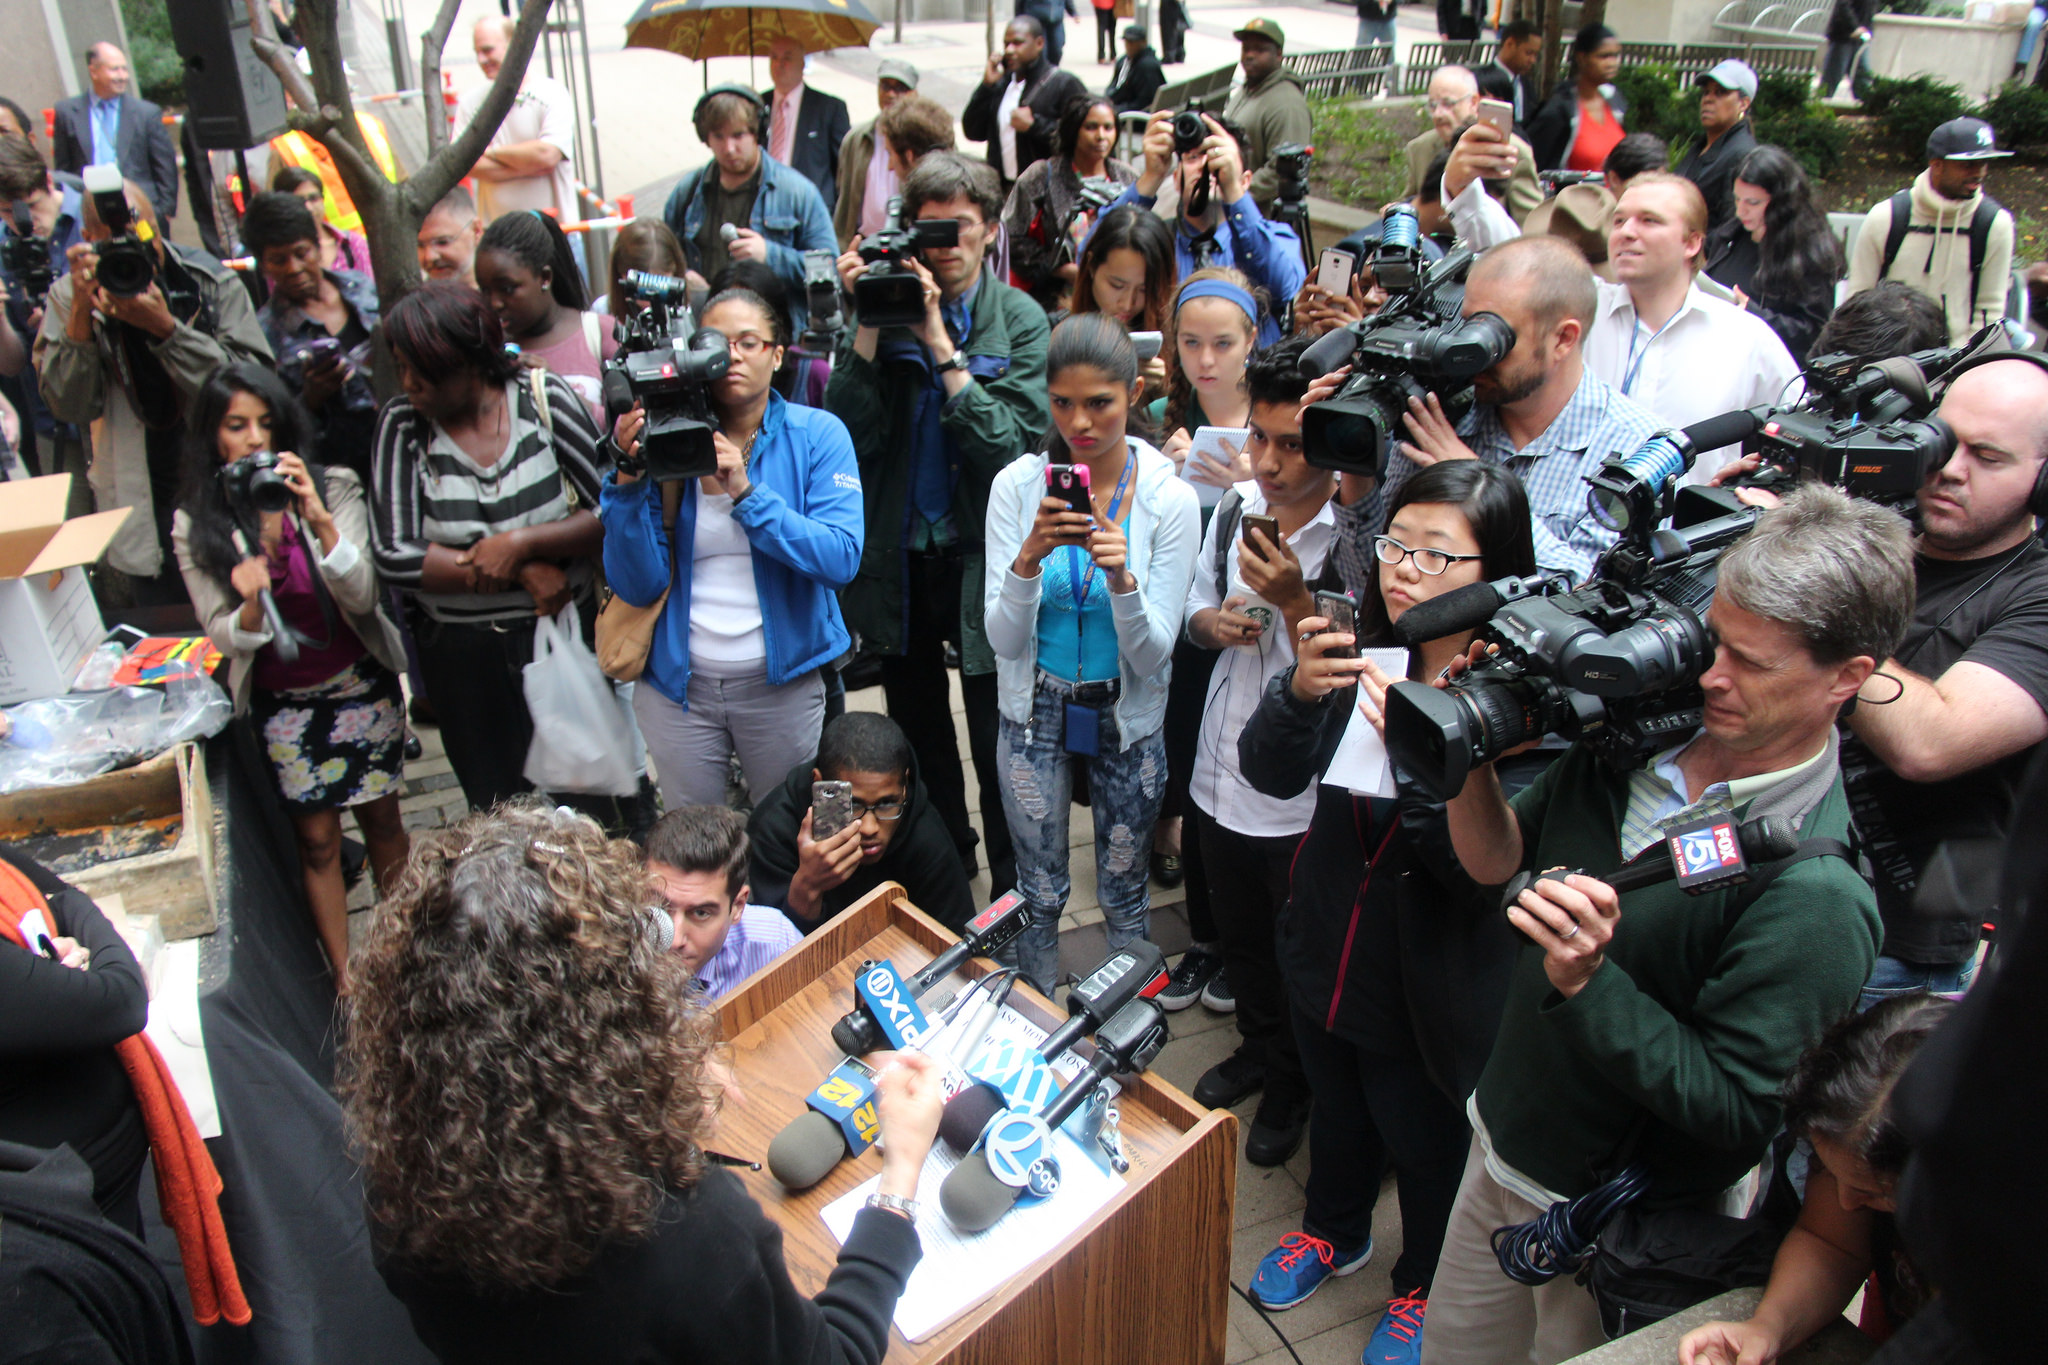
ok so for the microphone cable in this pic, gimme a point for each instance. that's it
(1560, 1239)
(1260, 1309)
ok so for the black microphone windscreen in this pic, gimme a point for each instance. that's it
(971, 1196)
(1769, 838)
(1329, 352)
(967, 1113)
(806, 1150)
(1460, 609)
(1725, 430)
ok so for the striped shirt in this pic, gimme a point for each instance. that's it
(428, 492)
(757, 938)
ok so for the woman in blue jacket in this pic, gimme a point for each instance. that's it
(751, 558)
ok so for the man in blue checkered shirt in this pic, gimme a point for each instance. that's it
(1540, 411)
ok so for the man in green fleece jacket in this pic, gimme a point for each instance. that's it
(1650, 1009)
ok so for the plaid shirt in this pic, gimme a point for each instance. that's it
(1597, 425)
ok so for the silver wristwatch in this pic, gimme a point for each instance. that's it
(895, 1203)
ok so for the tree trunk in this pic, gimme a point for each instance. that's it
(1553, 45)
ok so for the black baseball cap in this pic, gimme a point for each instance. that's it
(1963, 139)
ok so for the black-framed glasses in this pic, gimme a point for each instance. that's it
(1431, 562)
(881, 810)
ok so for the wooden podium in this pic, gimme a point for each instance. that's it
(1147, 1278)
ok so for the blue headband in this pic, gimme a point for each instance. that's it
(1220, 289)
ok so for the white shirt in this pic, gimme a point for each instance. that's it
(1710, 358)
(1006, 136)
(1240, 679)
(543, 111)
(725, 606)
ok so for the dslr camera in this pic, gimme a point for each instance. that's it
(666, 364)
(127, 264)
(27, 257)
(889, 293)
(1415, 345)
(253, 486)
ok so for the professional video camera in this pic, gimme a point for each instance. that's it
(27, 257)
(821, 297)
(1553, 181)
(1416, 344)
(1290, 162)
(667, 365)
(126, 259)
(1866, 429)
(1614, 663)
(889, 293)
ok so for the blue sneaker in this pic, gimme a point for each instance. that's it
(1397, 1338)
(1298, 1266)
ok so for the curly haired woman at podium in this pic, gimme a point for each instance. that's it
(530, 1083)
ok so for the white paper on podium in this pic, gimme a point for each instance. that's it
(959, 1269)
(1360, 763)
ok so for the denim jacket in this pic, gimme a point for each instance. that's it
(803, 523)
(1165, 533)
(788, 211)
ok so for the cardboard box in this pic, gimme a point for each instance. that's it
(49, 621)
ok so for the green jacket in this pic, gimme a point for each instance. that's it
(1272, 113)
(1001, 415)
(1698, 1029)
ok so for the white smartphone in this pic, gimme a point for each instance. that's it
(1147, 344)
(1499, 114)
(1333, 275)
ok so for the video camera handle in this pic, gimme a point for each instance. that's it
(282, 637)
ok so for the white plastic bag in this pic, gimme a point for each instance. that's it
(580, 739)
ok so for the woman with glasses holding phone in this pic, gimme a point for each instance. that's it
(746, 564)
(1396, 964)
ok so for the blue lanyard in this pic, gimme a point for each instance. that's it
(1635, 362)
(1079, 587)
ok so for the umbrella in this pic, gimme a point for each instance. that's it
(735, 28)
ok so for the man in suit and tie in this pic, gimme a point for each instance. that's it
(805, 126)
(111, 125)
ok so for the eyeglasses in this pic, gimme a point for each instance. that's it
(746, 343)
(881, 810)
(1437, 104)
(1431, 562)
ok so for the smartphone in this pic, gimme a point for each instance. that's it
(1500, 114)
(1253, 521)
(1147, 344)
(1069, 482)
(1342, 613)
(319, 351)
(1333, 276)
(831, 808)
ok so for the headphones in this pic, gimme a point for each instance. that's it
(760, 109)
(2037, 501)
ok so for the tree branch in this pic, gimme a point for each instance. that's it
(433, 43)
(263, 41)
(424, 188)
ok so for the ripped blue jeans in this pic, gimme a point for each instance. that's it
(1125, 787)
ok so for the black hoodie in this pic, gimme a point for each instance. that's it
(921, 856)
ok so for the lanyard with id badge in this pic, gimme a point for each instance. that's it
(1082, 732)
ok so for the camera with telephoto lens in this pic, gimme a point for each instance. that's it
(666, 364)
(1614, 664)
(125, 263)
(1415, 345)
(1189, 130)
(27, 257)
(252, 486)
(889, 293)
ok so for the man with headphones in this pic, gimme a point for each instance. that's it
(775, 213)
(1947, 727)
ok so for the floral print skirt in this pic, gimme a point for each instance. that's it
(338, 743)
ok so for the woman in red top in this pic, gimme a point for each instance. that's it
(1581, 121)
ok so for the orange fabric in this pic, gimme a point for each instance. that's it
(188, 1187)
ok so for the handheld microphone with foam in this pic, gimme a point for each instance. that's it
(1707, 855)
(1018, 1154)
(859, 1032)
(1469, 607)
(1137, 969)
(728, 232)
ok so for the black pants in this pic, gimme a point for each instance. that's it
(1105, 35)
(1173, 28)
(474, 683)
(915, 686)
(1187, 696)
(1247, 878)
(1371, 1109)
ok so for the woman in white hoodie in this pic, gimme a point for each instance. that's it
(1082, 616)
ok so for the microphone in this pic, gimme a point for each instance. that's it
(1018, 1154)
(859, 1031)
(1466, 608)
(839, 1119)
(1707, 855)
(1137, 969)
(728, 232)
(1725, 430)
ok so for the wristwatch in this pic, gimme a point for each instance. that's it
(957, 361)
(895, 1203)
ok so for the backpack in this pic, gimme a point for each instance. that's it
(1987, 213)
(1229, 509)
